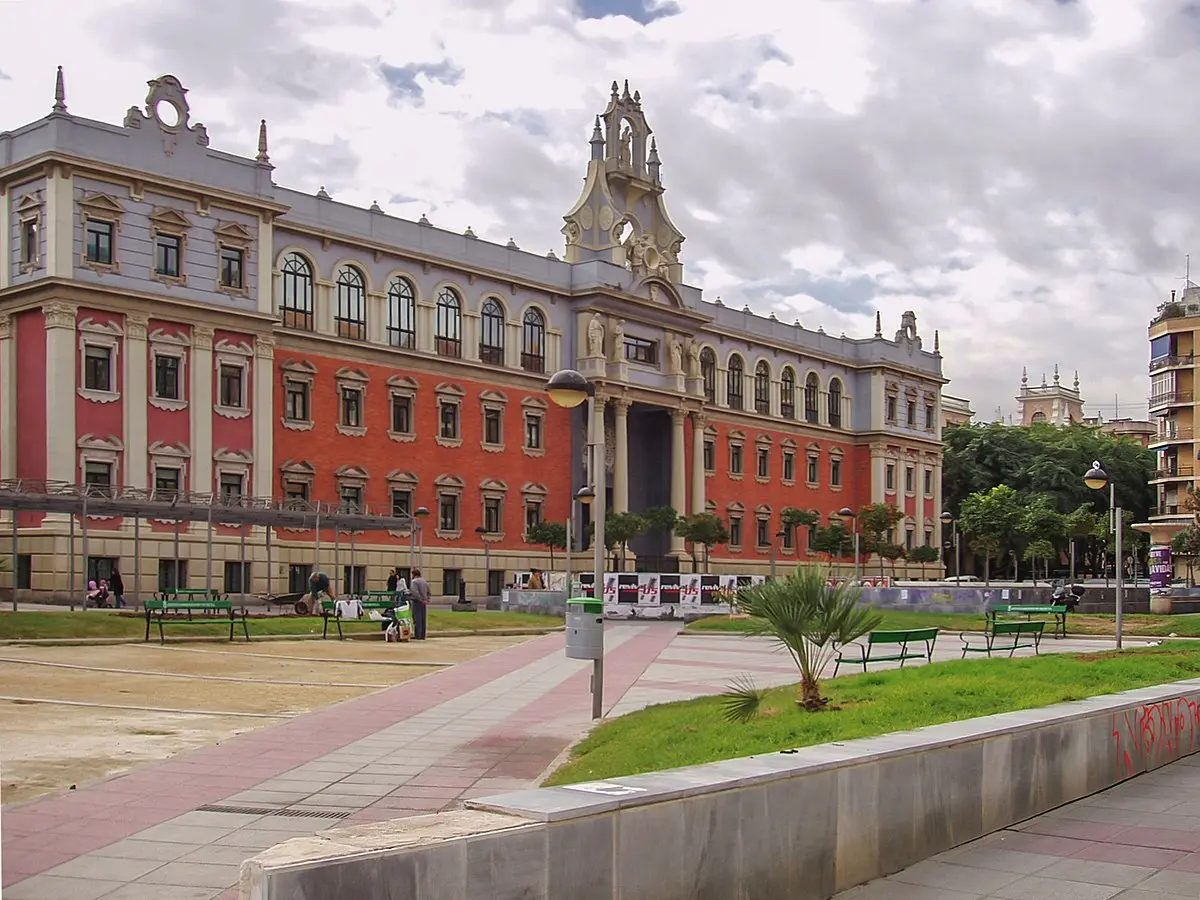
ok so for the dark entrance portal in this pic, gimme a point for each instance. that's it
(650, 482)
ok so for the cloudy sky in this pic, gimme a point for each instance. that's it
(1021, 173)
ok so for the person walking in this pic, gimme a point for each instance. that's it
(117, 586)
(419, 595)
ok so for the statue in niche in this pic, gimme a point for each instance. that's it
(619, 339)
(693, 355)
(640, 253)
(595, 336)
(625, 147)
(676, 355)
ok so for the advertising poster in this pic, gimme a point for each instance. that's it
(610, 589)
(1162, 569)
(587, 585)
(627, 588)
(648, 589)
(669, 589)
(710, 587)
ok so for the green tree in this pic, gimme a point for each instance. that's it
(794, 518)
(624, 527)
(702, 530)
(993, 518)
(1042, 525)
(835, 540)
(810, 618)
(548, 534)
(1079, 525)
(1186, 545)
(924, 555)
(660, 520)
(875, 523)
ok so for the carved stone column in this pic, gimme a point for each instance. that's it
(678, 474)
(621, 457)
(699, 482)
(202, 409)
(61, 350)
(137, 447)
(264, 416)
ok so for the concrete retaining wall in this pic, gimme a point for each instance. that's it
(798, 824)
(977, 599)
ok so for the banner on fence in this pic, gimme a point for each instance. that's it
(1162, 569)
(878, 581)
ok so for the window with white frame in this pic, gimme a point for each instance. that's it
(910, 480)
(835, 471)
(534, 409)
(98, 477)
(889, 477)
(447, 332)
(402, 488)
(352, 406)
(533, 431)
(298, 378)
(928, 482)
(232, 485)
(98, 241)
(231, 381)
(31, 251)
(762, 535)
(735, 529)
(448, 513)
(296, 292)
(449, 407)
(352, 488)
(763, 462)
(402, 408)
(352, 401)
(813, 473)
(736, 450)
(168, 376)
(168, 481)
(789, 466)
(491, 332)
(402, 314)
(169, 245)
(493, 506)
(493, 403)
(298, 477)
(98, 368)
(710, 454)
(233, 267)
(350, 314)
(351, 496)
(533, 515)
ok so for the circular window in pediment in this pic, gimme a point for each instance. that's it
(168, 114)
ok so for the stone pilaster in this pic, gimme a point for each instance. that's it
(137, 445)
(699, 482)
(8, 399)
(678, 474)
(264, 416)
(61, 377)
(202, 409)
(621, 456)
(60, 224)
(265, 266)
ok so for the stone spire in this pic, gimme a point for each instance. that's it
(262, 156)
(653, 163)
(937, 343)
(1076, 379)
(1024, 376)
(878, 325)
(1056, 373)
(597, 140)
(60, 93)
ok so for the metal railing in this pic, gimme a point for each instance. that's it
(1174, 472)
(1169, 509)
(1174, 434)
(1167, 398)
(1167, 362)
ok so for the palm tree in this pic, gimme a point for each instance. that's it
(809, 617)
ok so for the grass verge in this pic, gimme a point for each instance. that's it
(693, 731)
(98, 623)
(1137, 624)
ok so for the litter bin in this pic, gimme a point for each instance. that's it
(585, 628)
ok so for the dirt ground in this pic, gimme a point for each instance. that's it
(200, 694)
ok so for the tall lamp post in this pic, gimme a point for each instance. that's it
(948, 519)
(421, 512)
(569, 389)
(846, 512)
(1097, 479)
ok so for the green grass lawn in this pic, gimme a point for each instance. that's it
(694, 731)
(96, 623)
(1140, 624)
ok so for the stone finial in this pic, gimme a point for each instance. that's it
(375, 207)
(262, 142)
(323, 194)
(512, 245)
(424, 220)
(615, 89)
(1024, 376)
(653, 163)
(637, 97)
(1043, 379)
(1056, 373)
(551, 255)
(878, 325)
(797, 324)
(625, 93)
(937, 342)
(470, 233)
(1076, 379)
(820, 329)
(746, 309)
(597, 134)
(772, 316)
(60, 93)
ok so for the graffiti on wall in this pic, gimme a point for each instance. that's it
(1156, 734)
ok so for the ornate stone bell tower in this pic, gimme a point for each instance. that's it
(621, 217)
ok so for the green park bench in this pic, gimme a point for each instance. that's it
(199, 611)
(1012, 637)
(1059, 612)
(378, 600)
(887, 642)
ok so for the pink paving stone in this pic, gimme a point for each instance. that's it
(1045, 844)
(1162, 838)
(1085, 831)
(1190, 863)
(1149, 857)
(430, 792)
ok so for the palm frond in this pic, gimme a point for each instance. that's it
(742, 701)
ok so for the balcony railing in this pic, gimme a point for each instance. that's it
(1174, 472)
(1169, 398)
(1169, 509)
(1173, 434)
(1168, 362)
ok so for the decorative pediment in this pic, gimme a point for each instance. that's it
(788, 444)
(352, 473)
(911, 393)
(837, 452)
(30, 203)
(102, 205)
(452, 390)
(710, 431)
(710, 507)
(403, 381)
(764, 440)
(736, 435)
(234, 457)
(535, 403)
(659, 291)
(493, 397)
(491, 484)
(161, 448)
(930, 396)
(449, 481)
(347, 374)
(162, 336)
(298, 367)
(893, 387)
(813, 447)
(233, 233)
(399, 476)
(110, 328)
(763, 509)
(167, 218)
(228, 347)
(534, 490)
(298, 467)
(736, 506)
(112, 443)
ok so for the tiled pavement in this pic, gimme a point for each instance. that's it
(485, 726)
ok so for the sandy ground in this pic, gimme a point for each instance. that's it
(47, 747)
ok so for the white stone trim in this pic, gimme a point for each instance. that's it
(106, 336)
(166, 344)
(303, 372)
(237, 356)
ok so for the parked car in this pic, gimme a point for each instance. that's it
(962, 579)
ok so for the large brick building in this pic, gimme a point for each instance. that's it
(173, 320)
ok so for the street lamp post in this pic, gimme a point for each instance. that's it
(569, 389)
(1097, 479)
(847, 512)
(948, 519)
(421, 512)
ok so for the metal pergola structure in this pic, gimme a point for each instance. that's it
(84, 500)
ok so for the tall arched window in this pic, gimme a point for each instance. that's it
(762, 387)
(402, 314)
(447, 333)
(491, 332)
(835, 403)
(350, 320)
(533, 342)
(787, 393)
(733, 382)
(708, 372)
(296, 305)
(812, 391)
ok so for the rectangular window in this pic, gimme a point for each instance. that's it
(911, 416)
(296, 490)
(640, 350)
(492, 427)
(167, 252)
(352, 497)
(167, 482)
(710, 456)
(298, 574)
(448, 512)
(930, 422)
(232, 394)
(735, 531)
(889, 477)
(764, 463)
(98, 477)
(835, 472)
(910, 479)
(787, 538)
(789, 466)
(451, 582)
(352, 407)
(533, 515)
(172, 574)
(295, 407)
(401, 503)
(493, 519)
(29, 242)
(814, 470)
(401, 414)
(237, 577)
(448, 418)
(928, 482)
(99, 242)
(908, 541)
(166, 377)
(762, 533)
(232, 265)
(232, 485)
(891, 409)
(533, 431)
(24, 571)
(354, 580)
(97, 368)
(735, 459)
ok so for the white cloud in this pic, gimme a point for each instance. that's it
(1017, 172)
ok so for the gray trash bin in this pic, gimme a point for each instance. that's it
(585, 628)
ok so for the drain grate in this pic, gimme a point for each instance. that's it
(287, 813)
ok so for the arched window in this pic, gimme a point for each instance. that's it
(762, 387)
(787, 393)
(447, 331)
(835, 403)
(708, 371)
(812, 391)
(297, 301)
(533, 342)
(350, 321)
(491, 333)
(733, 382)
(1038, 418)
(402, 314)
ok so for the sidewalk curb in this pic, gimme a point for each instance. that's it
(214, 639)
